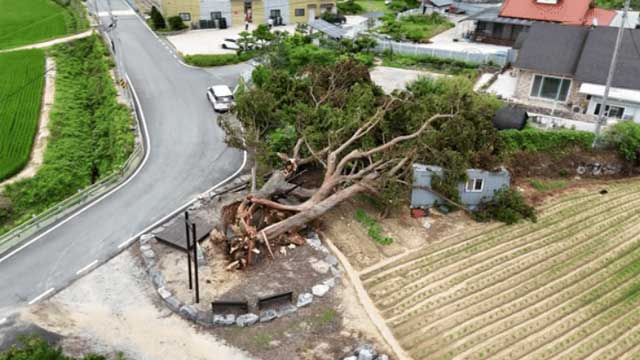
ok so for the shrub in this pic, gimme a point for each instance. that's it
(374, 230)
(625, 138)
(507, 206)
(209, 60)
(157, 19)
(449, 66)
(416, 28)
(176, 23)
(545, 141)
(35, 348)
(349, 7)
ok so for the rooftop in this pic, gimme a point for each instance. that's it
(575, 12)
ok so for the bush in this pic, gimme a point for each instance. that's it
(416, 28)
(625, 138)
(157, 20)
(507, 206)
(532, 139)
(449, 66)
(349, 7)
(176, 23)
(209, 60)
(374, 230)
(36, 348)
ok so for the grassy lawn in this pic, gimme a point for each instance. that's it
(617, 4)
(21, 95)
(433, 64)
(373, 5)
(415, 28)
(91, 134)
(24, 22)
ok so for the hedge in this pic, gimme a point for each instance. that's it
(209, 60)
(545, 141)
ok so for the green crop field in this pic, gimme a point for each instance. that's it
(20, 97)
(24, 22)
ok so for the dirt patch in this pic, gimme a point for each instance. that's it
(42, 134)
(408, 233)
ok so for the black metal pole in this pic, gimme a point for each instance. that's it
(195, 260)
(186, 225)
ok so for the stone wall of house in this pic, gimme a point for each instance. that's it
(523, 88)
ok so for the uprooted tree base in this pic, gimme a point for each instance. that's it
(274, 215)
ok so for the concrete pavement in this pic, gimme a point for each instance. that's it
(186, 156)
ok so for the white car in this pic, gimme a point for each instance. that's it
(221, 97)
(230, 44)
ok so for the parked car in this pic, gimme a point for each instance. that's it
(221, 97)
(230, 44)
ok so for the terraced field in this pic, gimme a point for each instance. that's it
(567, 287)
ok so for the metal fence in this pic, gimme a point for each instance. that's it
(498, 58)
(66, 207)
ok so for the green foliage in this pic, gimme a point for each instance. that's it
(36, 348)
(617, 4)
(403, 5)
(432, 63)
(507, 206)
(157, 20)
(90, 137)
(176, 23)
(209, 60)
(531, 139)
(625, 138)
(349, 7)
(20, 96)
(30, 21)
(548, 185)
(416, 28)
(374, 230)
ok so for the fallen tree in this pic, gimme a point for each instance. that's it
(332, 119)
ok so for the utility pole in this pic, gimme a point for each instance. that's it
(602, 116)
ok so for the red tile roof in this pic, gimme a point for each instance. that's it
(573, 12)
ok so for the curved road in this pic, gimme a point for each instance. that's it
(187, 156)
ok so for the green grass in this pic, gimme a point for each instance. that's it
(548, 185)
(374, 230)
(209, 60)
(24, 22)
(617, 4)
(91, 134)
(432, 63)
(20, 97)
(415, 28)
(373, 5)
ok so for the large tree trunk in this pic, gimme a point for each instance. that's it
(299, 220)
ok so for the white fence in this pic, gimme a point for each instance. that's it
(498, 58)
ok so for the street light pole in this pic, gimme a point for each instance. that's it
(602, 116)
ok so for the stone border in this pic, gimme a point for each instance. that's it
(209, 319)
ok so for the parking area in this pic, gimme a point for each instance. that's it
(209, 41)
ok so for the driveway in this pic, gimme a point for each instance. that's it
(186, 156)
(209, 41)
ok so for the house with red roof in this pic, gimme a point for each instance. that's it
(503, 25)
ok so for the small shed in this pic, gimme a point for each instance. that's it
(510, 117)
(481, 185)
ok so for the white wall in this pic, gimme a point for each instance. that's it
(209, 6)
(630, 109)
(282, 5)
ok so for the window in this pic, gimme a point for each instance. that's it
(613, 111)
(299, 12)
(216, 15)
(474, 185)
(275, 14)
(185, 16)
(551, 88)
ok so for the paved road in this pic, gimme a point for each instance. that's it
(187, 157)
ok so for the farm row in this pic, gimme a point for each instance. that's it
(566, 287)
(20, 95)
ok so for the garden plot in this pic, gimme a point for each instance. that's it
(566, 287)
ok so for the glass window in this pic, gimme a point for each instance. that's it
(275, 13)
(299, 12)
(185, 16)
(550, 87)
(216, 15)
(474, 185)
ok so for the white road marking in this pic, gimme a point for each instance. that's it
(93, 263)
(117, 13)
(126, 243)
(39, 297)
